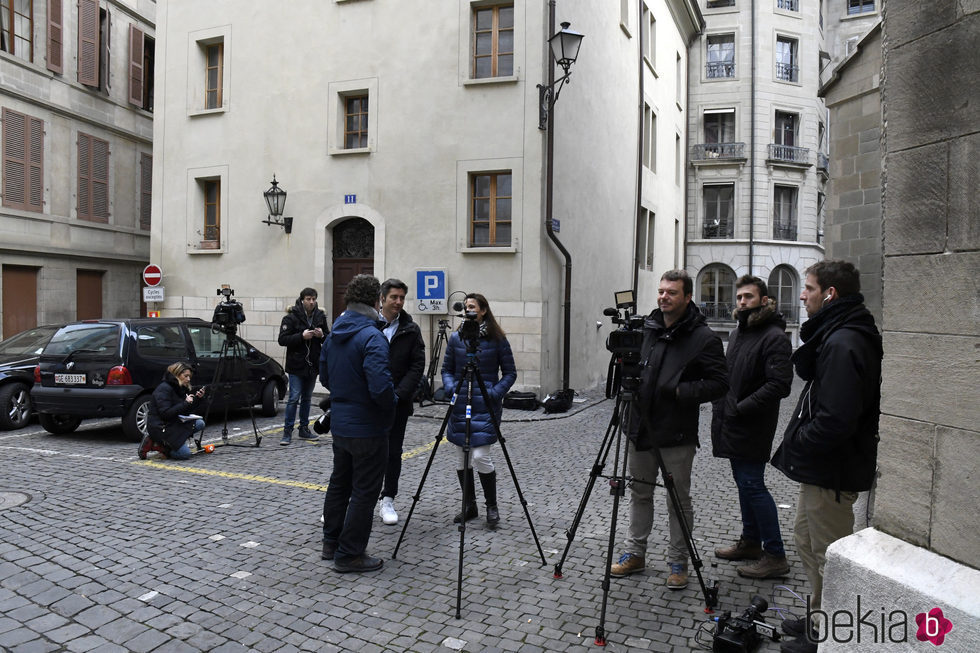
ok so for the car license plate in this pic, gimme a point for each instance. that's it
(69, 379)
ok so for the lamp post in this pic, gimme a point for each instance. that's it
(275, 199)
(564, 46)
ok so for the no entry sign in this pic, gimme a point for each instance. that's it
(152, 275)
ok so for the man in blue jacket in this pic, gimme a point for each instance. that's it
(354, 368)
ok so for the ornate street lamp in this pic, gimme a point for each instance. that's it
(275, 199)
(564, 48)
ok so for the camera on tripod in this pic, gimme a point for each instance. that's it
(624, 343)
(743, 633)
(469, 330)
(228, 314)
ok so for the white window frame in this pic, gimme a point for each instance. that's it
(466, 8)
(197, 45)
(194, 227)
(337, 94)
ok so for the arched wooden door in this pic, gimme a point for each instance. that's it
(353, 254)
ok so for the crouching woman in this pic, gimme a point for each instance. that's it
(168, 431)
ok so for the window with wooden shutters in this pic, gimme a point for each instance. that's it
(214, 55)
(88, 42)
(493, 41)
(23, 161)
(146, 185)
(93, 178)
(490, 209)
(56, 37)
(17, 34)
(136, 66)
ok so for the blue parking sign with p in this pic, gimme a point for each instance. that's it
(430, 289)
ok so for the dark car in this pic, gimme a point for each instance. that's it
(109, 368)
(18, 357)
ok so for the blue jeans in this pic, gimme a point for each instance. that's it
(348, 507)
(301, 393)
(760, 521)
(184, 452)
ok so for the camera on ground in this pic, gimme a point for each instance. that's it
(743, 634)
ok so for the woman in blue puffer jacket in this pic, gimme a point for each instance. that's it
(495, 361)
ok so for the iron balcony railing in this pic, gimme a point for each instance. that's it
(715, 4)
(787, 72)
(718, 229)
(717, 310)
(789, 154)
(788, 5)
(719, 69)
(717, 151)
(784, 232)
(823, 162)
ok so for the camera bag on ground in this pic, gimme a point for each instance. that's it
(559, 401)
(521, 400)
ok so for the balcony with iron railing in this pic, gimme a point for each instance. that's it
(797, 156)
(719, 69)
(717, 4)
(718, 229)
(788, 5)
(784, 231)
(787, 72)
(717, 152)
(717, 310)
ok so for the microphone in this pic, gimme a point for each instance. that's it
(458, 307)
(612, 312)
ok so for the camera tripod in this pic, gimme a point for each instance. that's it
(232, 356)
(471, 377)
(428, 382)
(626, 394)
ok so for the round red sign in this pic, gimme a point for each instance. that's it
(152, 275)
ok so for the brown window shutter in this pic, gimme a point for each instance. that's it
(135, 65)
(56, 37)
(14, 159)
(84, 176)
(146, 185)
(100, 180)
(35, 164)
(88, 42)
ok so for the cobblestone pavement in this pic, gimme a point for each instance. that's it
(102, 552)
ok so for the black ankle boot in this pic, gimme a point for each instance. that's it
(489, 483)
(469, 489)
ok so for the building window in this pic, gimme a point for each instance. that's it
(645, 234)
(721, 56)
(679, 90)
(493, 41)
(821, 218)
(677, 159)
(787, 66)
(717, 4)
(648, 36)
(141, 56)
(146, 187)
(212, 210)
(490, 209)
(650, 138)
(716, 292)
(55, 37)
(624, 15)
(860, 7)
(788, 5)
(786, 128)
(719, 126)
(93, 45)
(214, 60)
(17, 33)
(784, 212)
(23, 161)
(719, 211)
(93, 178)
(782, 291)
(355, 121)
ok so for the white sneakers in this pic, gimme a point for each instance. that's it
(388, 514)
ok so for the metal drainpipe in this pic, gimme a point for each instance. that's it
(639, 154)
(752, 150)
(549, 207)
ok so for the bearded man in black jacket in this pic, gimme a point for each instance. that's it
(831, 443)
(743, 424)
(682, 366)
(301, 332)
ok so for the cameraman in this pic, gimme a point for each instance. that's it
(302, 332)
(493, 355)
(682, 366)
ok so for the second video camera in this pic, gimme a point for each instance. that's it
(228, 314)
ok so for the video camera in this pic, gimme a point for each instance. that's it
(742, 634)
(228, 314)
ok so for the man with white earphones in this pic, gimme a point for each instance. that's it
(831, 443)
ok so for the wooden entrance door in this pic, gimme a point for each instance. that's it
(88, 294)
(19, 299)
(353, 254)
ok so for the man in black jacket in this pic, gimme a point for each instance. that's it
(407, 359)
(743, 424)
(301, 332)
(682, 366)
(831, 443)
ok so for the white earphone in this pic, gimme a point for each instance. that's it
(827, 298)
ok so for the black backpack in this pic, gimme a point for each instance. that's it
(559, 401)
(521, 400)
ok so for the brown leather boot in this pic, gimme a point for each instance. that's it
(741, 550)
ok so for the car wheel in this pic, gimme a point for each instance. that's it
(134, 423)
(270, 399)
(59, 424)
(15, 405)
